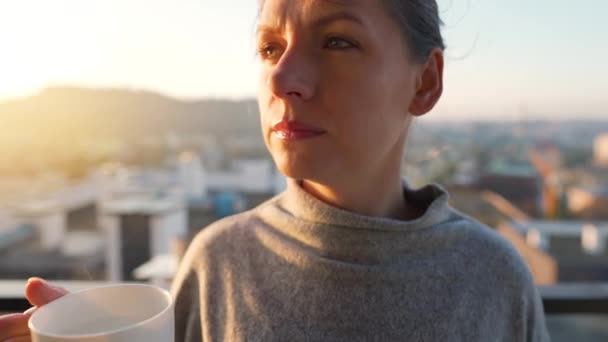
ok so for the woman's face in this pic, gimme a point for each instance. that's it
(336, 87)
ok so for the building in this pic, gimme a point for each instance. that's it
(578, 248)
(549, 152)
(54, 236)
(138, 228)
(589, 203)
(244, 175)
(600, 150)
(543, 266)
(13, 234)
(123, 217)
(191, 175)
(519, 183)
(471, 201)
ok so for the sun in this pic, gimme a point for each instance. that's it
(17, 77)
(40, 44)
(21, 49)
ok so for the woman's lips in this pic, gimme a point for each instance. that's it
(294, 130)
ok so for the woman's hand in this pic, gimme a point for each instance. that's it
(13, 328)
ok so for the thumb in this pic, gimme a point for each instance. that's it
(39, 292)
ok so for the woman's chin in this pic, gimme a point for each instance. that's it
(297, 169)
(305, 165)
(295, 172)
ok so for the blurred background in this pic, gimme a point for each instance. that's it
(128, 126)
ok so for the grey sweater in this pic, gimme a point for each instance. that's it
(297, 269)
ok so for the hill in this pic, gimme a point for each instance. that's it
(119, 113)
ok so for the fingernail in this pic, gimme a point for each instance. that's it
(30, 310)
(35, 278)
(42, 281)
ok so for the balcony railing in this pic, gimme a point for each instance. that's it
(12, 297)
(575, 298)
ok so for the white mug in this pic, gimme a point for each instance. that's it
(113, 313)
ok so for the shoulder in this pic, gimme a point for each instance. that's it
(224, 232)
(230, 235)
(213, 243)
(485, 250)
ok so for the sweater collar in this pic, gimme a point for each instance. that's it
(300, 204)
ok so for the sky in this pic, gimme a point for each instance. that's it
(506, 59)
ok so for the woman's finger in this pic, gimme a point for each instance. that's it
(13, 325)
(39, 292)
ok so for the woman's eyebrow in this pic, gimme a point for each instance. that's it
(337, 16)
(318, 22)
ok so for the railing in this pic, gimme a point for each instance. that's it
(12, 297)
(575, 298)
(568, 298)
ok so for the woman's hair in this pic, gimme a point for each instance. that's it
(420, 23)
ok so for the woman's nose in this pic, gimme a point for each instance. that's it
(292, 77)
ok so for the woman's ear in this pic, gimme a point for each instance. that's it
(429, 85)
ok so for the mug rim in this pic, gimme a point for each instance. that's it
(165, 293)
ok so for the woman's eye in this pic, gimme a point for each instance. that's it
(337, 43)
(269, 52)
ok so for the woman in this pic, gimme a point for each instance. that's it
(348, 252)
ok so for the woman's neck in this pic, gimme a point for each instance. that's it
(378, 199)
